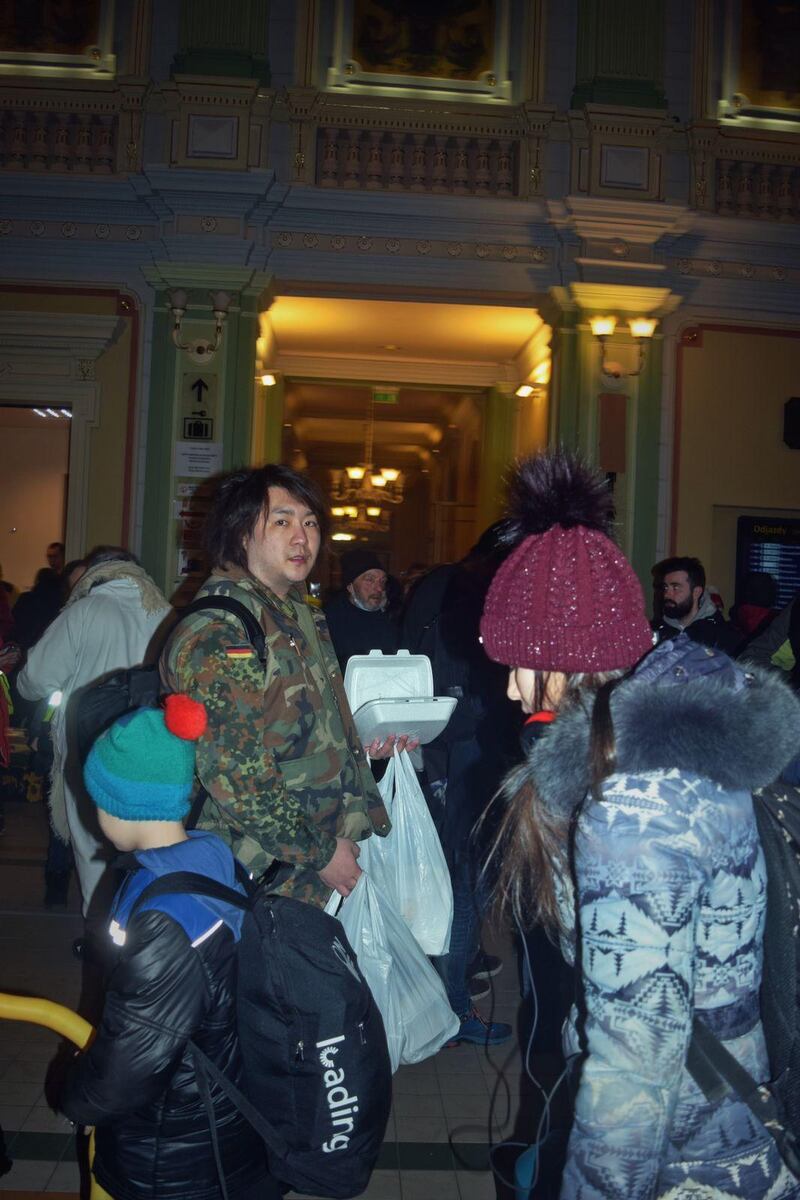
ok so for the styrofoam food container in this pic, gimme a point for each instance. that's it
(393, 693)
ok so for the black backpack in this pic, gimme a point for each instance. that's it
(317, 1077)
(777, 1105)
(101, 704)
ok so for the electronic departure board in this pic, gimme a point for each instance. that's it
(771, 545)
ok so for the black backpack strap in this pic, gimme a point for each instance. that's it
(717, 1073)
(255, 634)
(205, 1068)
(188, 883)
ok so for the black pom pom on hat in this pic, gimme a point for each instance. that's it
(557, 488)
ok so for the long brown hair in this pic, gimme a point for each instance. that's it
(531, 848)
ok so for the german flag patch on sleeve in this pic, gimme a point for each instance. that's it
(239, 652)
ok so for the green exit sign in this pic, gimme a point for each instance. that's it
(384, 395)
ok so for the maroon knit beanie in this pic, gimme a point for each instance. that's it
(566, 599)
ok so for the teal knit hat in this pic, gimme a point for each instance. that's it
(142, 767)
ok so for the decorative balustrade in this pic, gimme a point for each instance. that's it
(81, 143)
(767, 190)
(380, 160)
(750, 173)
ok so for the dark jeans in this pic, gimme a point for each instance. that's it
(457, 805)
(548, 990)
(59, 855)
(464, 937)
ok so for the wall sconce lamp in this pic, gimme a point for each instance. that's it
(524, 390)
(642, 328)
(268, 379)
(200, 349)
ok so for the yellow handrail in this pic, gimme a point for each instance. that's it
(53, 1016)
(67, 1024)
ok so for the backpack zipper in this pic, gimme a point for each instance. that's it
(298, 1054)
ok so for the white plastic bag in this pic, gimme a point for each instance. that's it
(409, 864)
(375, 856)
(410, 995)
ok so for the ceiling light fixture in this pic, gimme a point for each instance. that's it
(361, 492)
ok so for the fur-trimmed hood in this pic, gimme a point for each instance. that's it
(739, 739)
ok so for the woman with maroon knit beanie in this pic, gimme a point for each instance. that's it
(628, 833)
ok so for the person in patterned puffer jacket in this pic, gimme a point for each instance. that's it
(629, 833)
(286, 776)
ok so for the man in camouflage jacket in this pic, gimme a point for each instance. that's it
(286, 775)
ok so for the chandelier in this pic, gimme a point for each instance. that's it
(363, 495)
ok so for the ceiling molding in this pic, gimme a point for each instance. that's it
(350, 431)
(40, 343)
(385, 370)
(362, 290)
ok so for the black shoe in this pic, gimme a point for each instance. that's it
(484, 966)
(5, 1165)
(478, 988)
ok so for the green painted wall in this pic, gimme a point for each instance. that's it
(157, 523)
(224, 39)
(644, 502)
(497, 453)
(620, 54)
(232, 371)
(577, 383)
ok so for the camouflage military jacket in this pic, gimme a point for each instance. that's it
(281, 759)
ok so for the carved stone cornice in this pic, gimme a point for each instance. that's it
(587, 298)
(635, 221)
(33, 341)
(206, 91)
(432, 117)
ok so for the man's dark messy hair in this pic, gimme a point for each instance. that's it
(239, 501)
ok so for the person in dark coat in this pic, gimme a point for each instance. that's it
(358, 617)
(465, 763)
(174, 980)
(35, 609)
(688, 607)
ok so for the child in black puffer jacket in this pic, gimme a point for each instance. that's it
(174, 980)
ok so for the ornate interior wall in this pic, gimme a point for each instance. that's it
(552, 159)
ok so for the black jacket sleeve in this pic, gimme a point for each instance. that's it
(156, 998)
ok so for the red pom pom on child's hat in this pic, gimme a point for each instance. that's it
(185, 717)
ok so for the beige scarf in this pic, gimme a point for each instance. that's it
(152, 597)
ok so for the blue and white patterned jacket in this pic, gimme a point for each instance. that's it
(671, 882)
